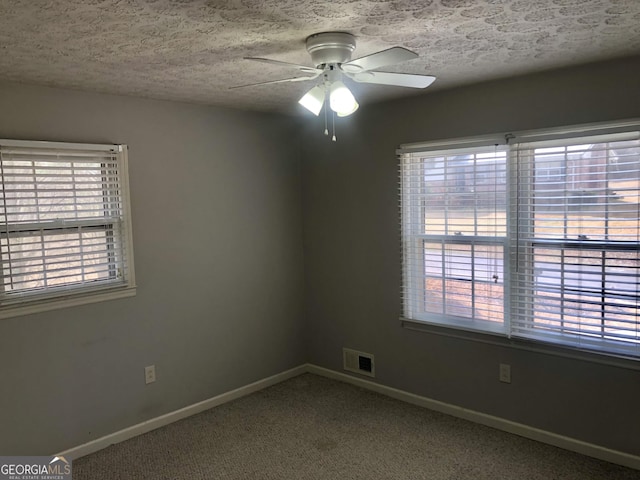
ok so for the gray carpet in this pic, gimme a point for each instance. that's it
(311, 427)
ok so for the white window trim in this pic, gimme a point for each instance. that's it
(87, 295)
(72, 301)
(524, 342)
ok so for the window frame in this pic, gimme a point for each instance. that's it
(582, 337)
(411, 299)
(68, 295)
(436, 325)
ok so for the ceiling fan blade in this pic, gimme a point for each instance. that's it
(284, 80)
(380, 59)
(302, 68)
(396, 79)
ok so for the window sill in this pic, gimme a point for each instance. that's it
(501, 340)
(64, 302)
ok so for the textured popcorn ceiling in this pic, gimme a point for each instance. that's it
(192, 50)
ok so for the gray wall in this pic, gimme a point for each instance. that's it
(217, 222)
(352, 255)
(218, 250)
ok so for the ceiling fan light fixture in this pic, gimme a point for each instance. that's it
(341, 100)
(313, 100)
(331, 56)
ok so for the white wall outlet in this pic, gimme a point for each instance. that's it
(505, 373)
(358, 362)
(149, 374)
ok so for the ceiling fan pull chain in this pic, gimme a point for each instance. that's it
(326, 106)
(333, 118)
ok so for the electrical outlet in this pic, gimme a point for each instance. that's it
(149, 374)
(505, 373)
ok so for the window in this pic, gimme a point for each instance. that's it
(539, 239)
(65, 234)
(454, 231)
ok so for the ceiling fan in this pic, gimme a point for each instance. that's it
(331, 54)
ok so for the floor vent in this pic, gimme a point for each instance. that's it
(358, 362)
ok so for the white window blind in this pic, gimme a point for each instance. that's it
(575, 239)
(64, 221)
(454, 236)
(539, 239)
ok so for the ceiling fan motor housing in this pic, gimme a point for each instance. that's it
(330, 47)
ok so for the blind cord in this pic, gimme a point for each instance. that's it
(637, 282)
(495, 210)
(6, 222)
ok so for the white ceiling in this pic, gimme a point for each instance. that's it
(192, 50)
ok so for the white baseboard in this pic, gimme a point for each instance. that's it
(520, 429)
(161, 421)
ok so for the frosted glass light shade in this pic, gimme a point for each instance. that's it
(341, 100)
(313, 99)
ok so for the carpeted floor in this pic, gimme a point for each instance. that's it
(311, 427)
